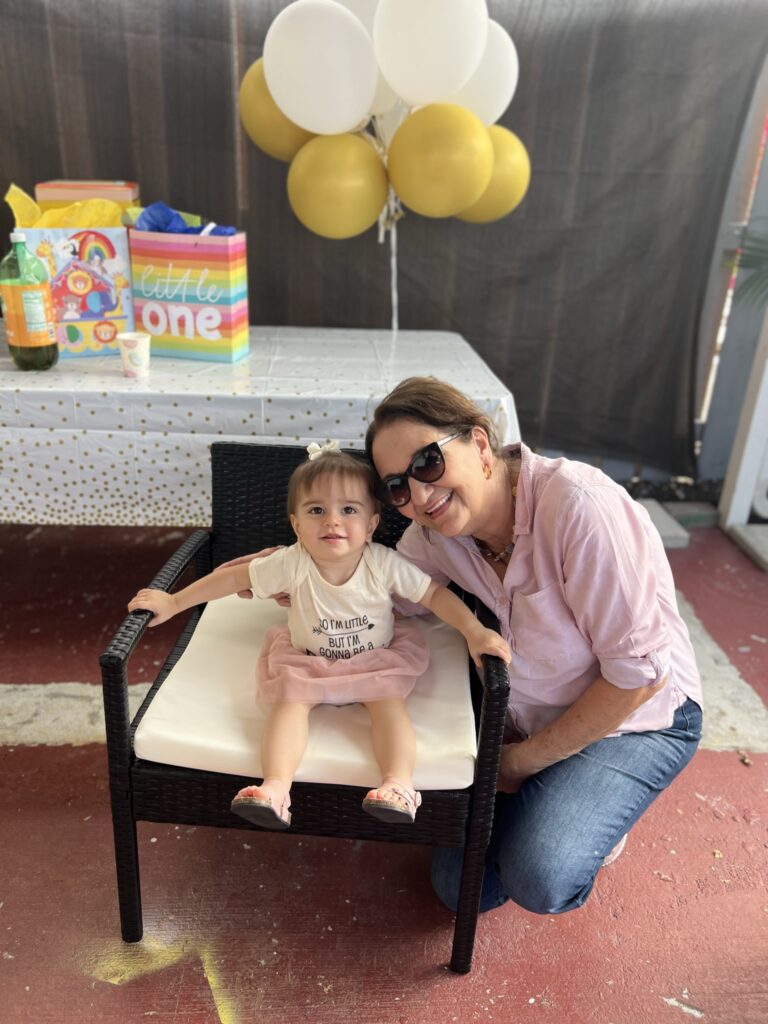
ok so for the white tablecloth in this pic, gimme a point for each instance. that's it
(81, 444)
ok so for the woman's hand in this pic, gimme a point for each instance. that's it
(487, 641)
(282, 599)
(598, 712)
(518, 763)
(161, 604)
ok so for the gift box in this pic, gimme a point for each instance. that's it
(51, 195)
(89, 271)
(190, 293)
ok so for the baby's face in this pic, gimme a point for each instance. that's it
(335, 517)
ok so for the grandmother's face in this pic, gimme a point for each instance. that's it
(452, 504)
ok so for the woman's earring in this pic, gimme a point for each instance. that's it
(487, 472)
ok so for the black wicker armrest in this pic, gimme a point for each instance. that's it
(493, 705)
(495, 684)
(122, 644)
(495, 695)
(114, 660)
(495, 676)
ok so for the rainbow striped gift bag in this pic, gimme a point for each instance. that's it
(190, 293)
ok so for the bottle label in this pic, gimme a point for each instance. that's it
(28, 312)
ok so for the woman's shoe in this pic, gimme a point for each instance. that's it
(393, 803)
(615, 852)
(260, 810)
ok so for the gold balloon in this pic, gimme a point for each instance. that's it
(440, 160)
(264, 122)
(337, 185)
(509, 181)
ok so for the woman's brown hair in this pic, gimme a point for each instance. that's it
(333, 463)
(432, 401)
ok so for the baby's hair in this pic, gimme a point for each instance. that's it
(333, 463)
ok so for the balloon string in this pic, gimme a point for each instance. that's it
(388, 219)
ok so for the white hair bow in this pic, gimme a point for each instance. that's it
(315, 450)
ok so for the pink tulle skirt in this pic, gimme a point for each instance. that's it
(285, 674)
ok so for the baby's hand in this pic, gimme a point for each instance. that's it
(162, 605)
(487, 641)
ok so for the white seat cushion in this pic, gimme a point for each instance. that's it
(205, 714)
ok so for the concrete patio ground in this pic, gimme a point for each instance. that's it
(243, 928)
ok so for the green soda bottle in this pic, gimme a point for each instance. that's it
(25, 294)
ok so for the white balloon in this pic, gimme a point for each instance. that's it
(320, 66)
(388, 122)
(489, 91)
(365, 10)
(428, 49)
(385, 96)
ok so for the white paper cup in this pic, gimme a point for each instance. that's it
(134, 353)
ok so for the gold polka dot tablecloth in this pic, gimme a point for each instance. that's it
(81, 444)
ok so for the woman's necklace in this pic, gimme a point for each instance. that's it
(495, 556)
(505, 553)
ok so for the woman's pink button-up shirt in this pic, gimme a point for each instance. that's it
(588, 592)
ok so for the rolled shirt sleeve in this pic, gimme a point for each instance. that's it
(612, 557)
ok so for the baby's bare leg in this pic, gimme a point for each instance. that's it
(394, 741)
(283, 743)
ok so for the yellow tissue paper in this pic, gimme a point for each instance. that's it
(131, 215)
(89, 213)
(26, 212)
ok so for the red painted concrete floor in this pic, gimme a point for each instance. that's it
(243, 928)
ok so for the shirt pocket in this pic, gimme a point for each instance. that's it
(544, 629)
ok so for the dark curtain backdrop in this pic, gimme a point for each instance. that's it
(584, 301)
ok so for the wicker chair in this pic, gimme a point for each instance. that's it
(249, 487)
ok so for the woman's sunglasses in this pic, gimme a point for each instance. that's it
(427, 466)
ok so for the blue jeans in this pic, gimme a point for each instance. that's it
(549, 839)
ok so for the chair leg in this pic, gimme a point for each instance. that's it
(127, 864)
(468, 907)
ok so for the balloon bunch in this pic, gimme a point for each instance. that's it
(375, 103)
